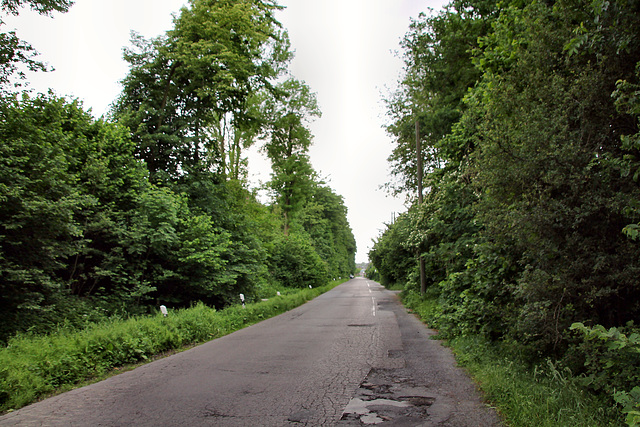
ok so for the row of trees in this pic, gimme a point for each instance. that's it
(151, 204)
(528, 115)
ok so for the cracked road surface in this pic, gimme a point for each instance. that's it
(353, 356)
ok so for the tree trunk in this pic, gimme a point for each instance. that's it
(423, 279)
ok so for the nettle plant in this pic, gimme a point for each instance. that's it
(612, 362)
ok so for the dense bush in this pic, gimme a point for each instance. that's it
(81, 223)
(295, 263)
(529, 121)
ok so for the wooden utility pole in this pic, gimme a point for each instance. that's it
(419, 161)
(423, 279)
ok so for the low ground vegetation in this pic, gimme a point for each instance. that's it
(546, 393)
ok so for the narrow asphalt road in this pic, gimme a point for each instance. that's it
(351, 357)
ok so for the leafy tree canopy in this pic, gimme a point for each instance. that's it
(529, 124)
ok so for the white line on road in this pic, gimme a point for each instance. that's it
(373, 308)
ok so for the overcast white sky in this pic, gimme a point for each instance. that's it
(344, 52)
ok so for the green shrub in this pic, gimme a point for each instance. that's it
(296, 263)
(612, 363)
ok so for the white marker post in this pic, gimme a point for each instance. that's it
(163, 310)
(242, 299)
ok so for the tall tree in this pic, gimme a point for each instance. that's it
(287, 114)
(324, 219)
(191, 79)
(438, 73)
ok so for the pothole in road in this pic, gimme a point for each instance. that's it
(370, 411)
(376, 388)
(384, 397)
(419, 400)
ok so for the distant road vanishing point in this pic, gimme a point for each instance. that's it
(353, 356)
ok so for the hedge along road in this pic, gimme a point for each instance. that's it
(352, 356)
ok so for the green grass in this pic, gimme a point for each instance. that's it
(538, 397)
(35, 366)
(395, 287)
(544, 396)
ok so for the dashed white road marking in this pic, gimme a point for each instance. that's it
(373, 307)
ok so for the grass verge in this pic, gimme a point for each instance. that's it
(539, 397)
(35, 366)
